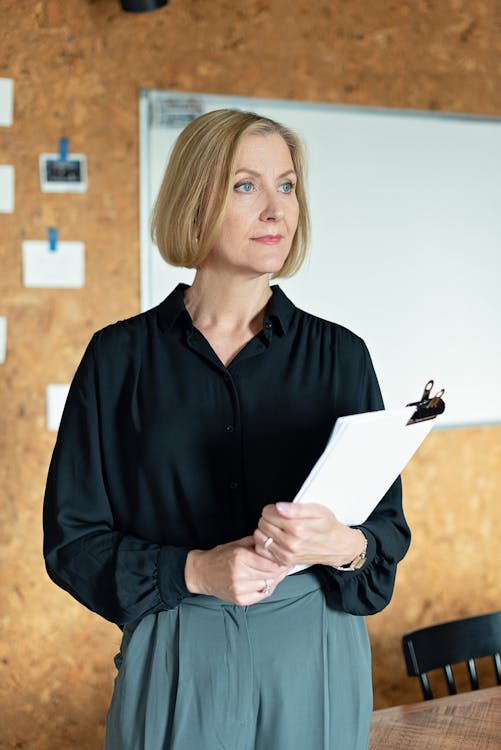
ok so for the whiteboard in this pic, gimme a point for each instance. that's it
(406, 238)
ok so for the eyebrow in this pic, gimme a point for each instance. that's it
(258, 174)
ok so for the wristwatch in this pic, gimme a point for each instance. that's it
(359, 560)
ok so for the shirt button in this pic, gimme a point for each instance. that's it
(233, 485)
(267, 325)
(229, 428)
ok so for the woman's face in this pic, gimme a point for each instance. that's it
(262, 213)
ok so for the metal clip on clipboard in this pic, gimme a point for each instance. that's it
(428, 407)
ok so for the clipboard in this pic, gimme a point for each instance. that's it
(365, 454)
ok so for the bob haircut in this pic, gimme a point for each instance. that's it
(198, 181)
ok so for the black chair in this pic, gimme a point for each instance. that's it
(450, 643)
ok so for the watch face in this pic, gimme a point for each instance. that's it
(359, 563)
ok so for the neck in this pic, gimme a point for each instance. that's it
(227, 304)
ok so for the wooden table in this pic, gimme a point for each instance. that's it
(468, 721)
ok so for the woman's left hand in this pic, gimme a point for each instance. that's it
(306, 533)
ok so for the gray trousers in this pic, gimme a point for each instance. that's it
(289, 673)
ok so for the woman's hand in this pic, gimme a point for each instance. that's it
(306, 533)
(234, 572)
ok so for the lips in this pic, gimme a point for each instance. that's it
(268, 239)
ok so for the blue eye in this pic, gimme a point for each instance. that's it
(244, 187)
(287, 187)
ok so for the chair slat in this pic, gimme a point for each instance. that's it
(473, 674)
(425, 687)
(451, 685)
(497, 667)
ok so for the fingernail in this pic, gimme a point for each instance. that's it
(284, 508)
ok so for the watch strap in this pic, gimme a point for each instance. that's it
(359, 561)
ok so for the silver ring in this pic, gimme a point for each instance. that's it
(268, 542)
(267, 588)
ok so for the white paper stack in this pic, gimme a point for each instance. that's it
(365, 454)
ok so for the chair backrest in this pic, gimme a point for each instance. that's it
(440, 646)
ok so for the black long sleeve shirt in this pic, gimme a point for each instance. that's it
(163, 449)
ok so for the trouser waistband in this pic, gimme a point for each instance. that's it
(291, 587)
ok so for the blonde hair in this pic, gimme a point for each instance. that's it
(197, 183)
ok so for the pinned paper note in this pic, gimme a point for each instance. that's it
(63, 267)
(3, 338)
(6, 189)
(63, 172)
(56, 395)
(6, 101)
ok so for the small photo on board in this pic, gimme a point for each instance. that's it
(63, 175)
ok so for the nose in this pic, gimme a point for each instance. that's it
(272, 209)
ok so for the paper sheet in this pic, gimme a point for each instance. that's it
(6, 189)
(3, 338)
(6, 101)
(63, 267)
(56, 394)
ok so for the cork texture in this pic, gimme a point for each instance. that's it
(78, 66)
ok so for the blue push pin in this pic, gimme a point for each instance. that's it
(63, 149)
(52, 239)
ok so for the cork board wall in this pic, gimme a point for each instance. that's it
(77, 67)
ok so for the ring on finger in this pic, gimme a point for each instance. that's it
(268, 542)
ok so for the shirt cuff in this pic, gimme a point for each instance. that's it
(171, 580)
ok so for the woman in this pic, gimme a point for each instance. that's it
(187, 432)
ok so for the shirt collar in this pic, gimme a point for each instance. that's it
(173, 307)
(279, 310)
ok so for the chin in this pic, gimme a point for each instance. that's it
(269, 269)
(271, 265)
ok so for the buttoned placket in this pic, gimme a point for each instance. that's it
(231, 419)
